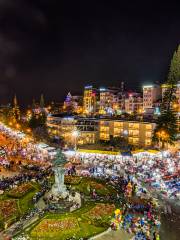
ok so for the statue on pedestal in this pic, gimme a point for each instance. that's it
(59, 189)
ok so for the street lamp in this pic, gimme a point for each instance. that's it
(163, 136)
(28, 130)
(75, 134)
(17, 126)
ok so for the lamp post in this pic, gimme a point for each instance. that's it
(75, 134)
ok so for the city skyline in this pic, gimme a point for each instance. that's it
(89, 120)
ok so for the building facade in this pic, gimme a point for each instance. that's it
(108, 101)
(137, 133)
(90, 99)
(134, 103)
(86, 128)
(73, 104)
(91, 130)
(151, 94)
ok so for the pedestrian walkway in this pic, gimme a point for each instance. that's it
(113, 235)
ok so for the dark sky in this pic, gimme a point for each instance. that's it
(56, 46)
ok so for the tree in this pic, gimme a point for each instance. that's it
(172, 81)
(15, 110)
(174, 72)
(119, 142)
(42, 101)
(33, 104)
(167, 127)
(37, 120)
(41, 134)
(6, 114)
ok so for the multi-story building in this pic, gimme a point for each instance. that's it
(65, 126)
(78, 104)
(90, 130)
(90, 100)
(73, 104)
(61, 126)
(107, 100)
(137, 133)
(151, 94)
(134, 103)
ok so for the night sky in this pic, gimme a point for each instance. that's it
(53, 47)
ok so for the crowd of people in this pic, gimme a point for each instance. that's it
(155, 172)
(7, 183)
(138, 213)
(158, 172)
(17, 144)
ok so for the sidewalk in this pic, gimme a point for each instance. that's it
(113, 235)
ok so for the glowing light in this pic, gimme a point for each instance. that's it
(75, 133)
(125, 132)
(88, 87)
(102, 89)
(17, 126)
(28, 130)
(148, 86)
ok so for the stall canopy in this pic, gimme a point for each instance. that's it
(99, 151)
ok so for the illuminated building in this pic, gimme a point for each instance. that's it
(77, 104)
(64, 126)
(73, 104)
(151, 94)
(137, 133)
(90, 100)
(68, 101)
(90, 130)
(108, 102)
(134, 103)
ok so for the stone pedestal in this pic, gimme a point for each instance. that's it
(59, 189)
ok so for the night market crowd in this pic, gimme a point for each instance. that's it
(157, 172)
(10, 182)
(138, 212)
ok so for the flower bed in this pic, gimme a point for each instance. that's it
(99, 187)
(56, 227)
(96, 185)
(100, 210)
(72, 180)
(8, 210)
(20, 191)
(87, 185)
